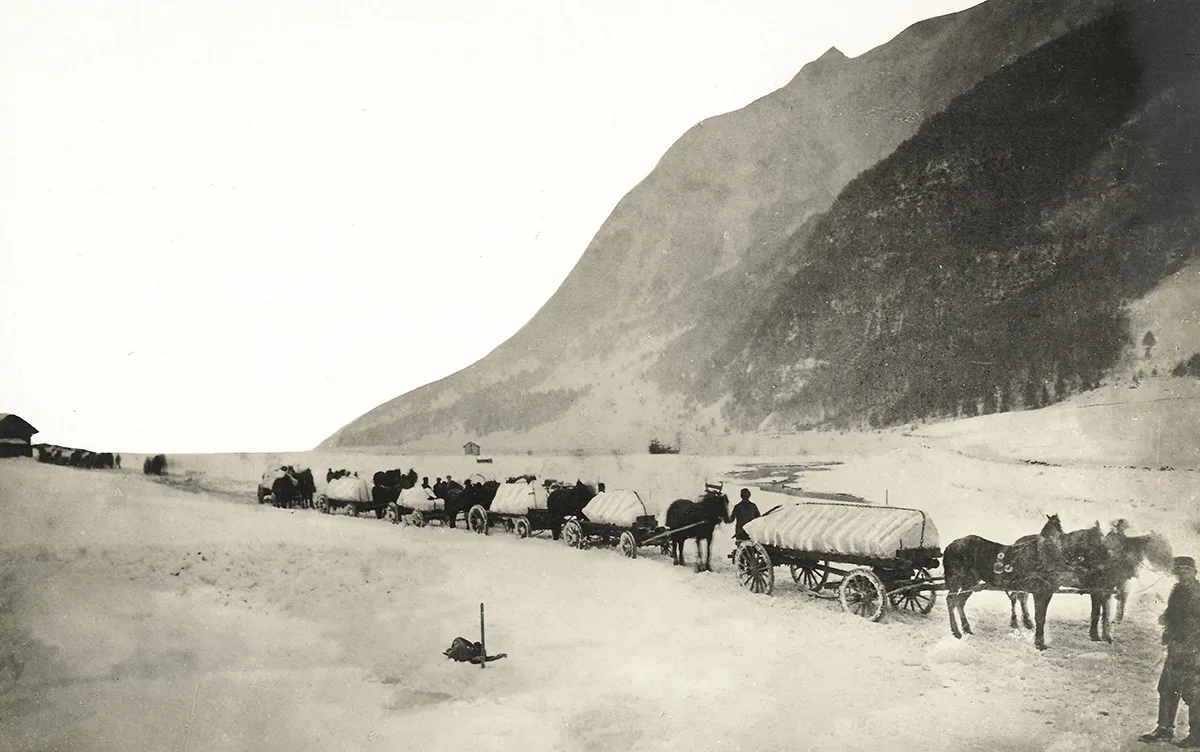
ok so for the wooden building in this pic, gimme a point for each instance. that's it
(471, 448)
(15, 436)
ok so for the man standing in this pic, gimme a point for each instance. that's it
(743, 512)
(1181, 673)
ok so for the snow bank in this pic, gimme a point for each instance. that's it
(950, 649)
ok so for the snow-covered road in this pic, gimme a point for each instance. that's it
(146, 617)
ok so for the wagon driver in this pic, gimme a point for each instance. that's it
(1181, 673)
(744, 511)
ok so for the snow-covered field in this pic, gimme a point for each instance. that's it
(145, 614)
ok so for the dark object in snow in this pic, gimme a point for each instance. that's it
(464, 651)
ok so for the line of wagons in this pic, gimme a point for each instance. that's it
(862, 555)
(867, 557)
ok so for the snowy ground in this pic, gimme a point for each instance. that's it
(135, 614)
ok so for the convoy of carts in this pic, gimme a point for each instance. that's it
(865, 556)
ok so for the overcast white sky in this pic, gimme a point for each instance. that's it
(236, 226)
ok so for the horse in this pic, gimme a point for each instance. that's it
(1033, 564)
(156, 465)
(285, 490)
(305, 486)
(566, 500)
(454, 500)
(696, 520)
(389, 483)
(1102, 579)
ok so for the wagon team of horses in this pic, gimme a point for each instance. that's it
(879, 556)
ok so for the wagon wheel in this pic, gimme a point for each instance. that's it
(393, 514)
(754, 568)
(417, 519)
(810, 578)
(477, 520)
(919, 601)
(573, 534)
(628, 544)
(862, 594)
(323, 504)
(521, 527)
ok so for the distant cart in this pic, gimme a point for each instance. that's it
(880, 555)
(520, 506)
(616, 518)
(351, 493)
(417, 506)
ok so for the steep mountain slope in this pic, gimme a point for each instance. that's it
(988, 263)
(700, 239)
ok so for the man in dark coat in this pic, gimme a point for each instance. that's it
(743, 512)
(1181, 673)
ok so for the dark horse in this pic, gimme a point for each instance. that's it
(566, 500)
(1036, 564)
(1108, 576)
(697, 519)
(472, 494)
(389, 483)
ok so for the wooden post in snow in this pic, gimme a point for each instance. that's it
(482, 641)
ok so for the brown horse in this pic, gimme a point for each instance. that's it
(1035, 564)
(697, 520)
(1110, 575)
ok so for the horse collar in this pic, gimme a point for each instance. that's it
(1000, 566)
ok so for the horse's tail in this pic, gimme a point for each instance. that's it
(1157, 552)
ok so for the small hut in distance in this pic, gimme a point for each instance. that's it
(15, 436)
(471, 448)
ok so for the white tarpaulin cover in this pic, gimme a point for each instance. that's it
(421, 499)
(348, 489)
(621, 507)
(855, 529)
(519, 497)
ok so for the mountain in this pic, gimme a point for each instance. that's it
(990, 261)
(681, 316)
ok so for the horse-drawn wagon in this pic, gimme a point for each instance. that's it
(352, 493)
(287, 486)
(526, 506)
(615, 518)
(418, 506)
(880, 554)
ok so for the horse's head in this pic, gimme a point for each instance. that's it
(714, 499)
(1085, 550)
